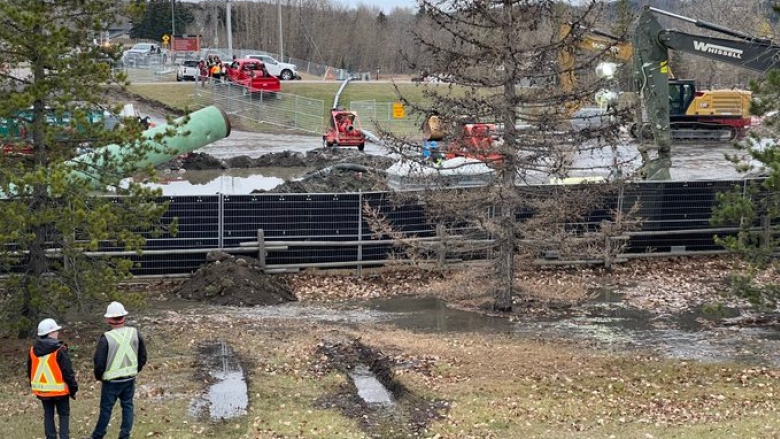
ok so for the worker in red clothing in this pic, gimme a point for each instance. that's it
(52, 378)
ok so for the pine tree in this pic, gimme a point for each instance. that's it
(755, 208)
(501, 61)
(54, 97)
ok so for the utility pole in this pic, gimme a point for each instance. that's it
(173, 20)
(281, 40)
(229, 28)
(216, 24)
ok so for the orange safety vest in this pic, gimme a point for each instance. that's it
(46, 377)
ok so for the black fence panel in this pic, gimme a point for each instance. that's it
(674, 207)
(295, 217)
(675, 216)
(198, 218)
(382, 210)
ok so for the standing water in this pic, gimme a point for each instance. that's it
(368, 386)
(227, 395)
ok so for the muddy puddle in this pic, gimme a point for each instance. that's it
(369, 389)
(225, 181)
(226, 395)
(607, 324)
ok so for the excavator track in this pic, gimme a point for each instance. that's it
(699, 132)
(693, 132)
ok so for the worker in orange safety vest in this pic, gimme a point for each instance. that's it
(52, 378)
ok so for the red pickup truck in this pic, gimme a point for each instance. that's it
(252, 75)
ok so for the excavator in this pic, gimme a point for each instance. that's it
(694, 115)
(658, 99)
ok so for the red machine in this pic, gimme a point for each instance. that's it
(475, 141)
(344, 130)
(252, 75)
(464, 137)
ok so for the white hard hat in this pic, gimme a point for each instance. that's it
(47, 326)
(115, 309)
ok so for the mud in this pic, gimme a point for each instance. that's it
(331, 169)
(408, 416)
(333, 180)
(226, 395)
(235, 281)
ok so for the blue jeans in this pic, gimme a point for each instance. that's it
(110, 392)
(62, 406)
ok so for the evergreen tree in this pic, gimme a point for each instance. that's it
(53, 98)
(156, 19)
(755, 209)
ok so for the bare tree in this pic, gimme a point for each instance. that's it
(496, 64)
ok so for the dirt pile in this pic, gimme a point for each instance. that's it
(313, 159)
(336, 180)
(334, 170)
(285, 159)
(194, 161)
(235, 281)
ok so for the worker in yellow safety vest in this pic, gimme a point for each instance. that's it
(119, 356)
(52, 378)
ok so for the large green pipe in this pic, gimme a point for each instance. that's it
(204, 126)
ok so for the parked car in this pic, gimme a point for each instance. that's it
(252, 75)
(143, 54)
(144, 49)
(188, 70)
(282, 70)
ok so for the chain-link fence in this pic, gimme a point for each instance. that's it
(281, 109)
(162, 67)
(387, 116)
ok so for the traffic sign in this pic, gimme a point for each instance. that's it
(398, 110)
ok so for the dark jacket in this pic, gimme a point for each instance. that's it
(47, 345)
(101, 355)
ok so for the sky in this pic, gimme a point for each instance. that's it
(387, 6)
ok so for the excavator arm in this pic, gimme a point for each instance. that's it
(652, 43)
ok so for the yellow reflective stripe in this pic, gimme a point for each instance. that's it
(44, 371)
(124, 372)
(124, 352)
(48, 387)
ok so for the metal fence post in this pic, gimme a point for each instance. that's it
(221, 221)
(295, 113)
(360, 233)
(261, 248)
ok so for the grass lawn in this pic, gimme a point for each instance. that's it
(179, 95)
(491, 385)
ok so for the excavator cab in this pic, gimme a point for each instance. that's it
(681, 94)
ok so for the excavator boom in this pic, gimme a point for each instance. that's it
(652, 43)
(603, 44)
